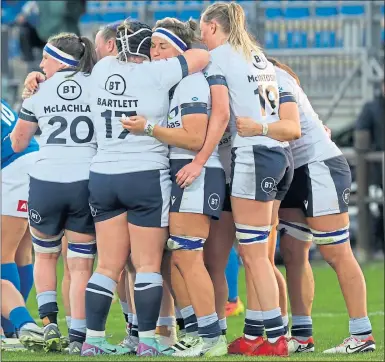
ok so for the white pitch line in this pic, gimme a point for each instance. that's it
(316, 315)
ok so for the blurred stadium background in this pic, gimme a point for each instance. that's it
(336, 47)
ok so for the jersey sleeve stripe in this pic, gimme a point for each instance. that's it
(286, 97)
(27, 116)
(193, 108)
(183, 65)
(26, 111)
(216, 80)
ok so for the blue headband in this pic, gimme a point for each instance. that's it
(173, 39)
(60, 56)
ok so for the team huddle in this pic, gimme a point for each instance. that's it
(156, 155)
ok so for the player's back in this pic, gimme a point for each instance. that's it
(129, 89)
(8, 122)
(253, 91)
(314, 143)
(67, 142)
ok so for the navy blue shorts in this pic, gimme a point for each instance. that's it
(261, 173)
(204, 196)
(54, 207)
(320, 188)
(144, 195)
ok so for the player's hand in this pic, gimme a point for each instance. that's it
(328, 131)
(186, 175)
(134, 124)
(26, 93)
(32, 81)
(246, 127)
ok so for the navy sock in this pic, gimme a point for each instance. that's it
(48, 309)
(99, 293)
(148, 293)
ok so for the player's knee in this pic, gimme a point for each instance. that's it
(50, 245)
(331, 237)
(5, 284)
(296, 230)
(81, 250)
(185, 243)
(248, 235)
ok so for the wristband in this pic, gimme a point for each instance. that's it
(149, 129)
(265, 129)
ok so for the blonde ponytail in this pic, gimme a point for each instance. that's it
(232, 19)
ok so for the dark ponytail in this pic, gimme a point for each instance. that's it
(89, 58)
(81, 48)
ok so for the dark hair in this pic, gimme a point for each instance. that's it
(137, 45)
(184, 30)
(109, 31)
(284, 67)
(80, 47)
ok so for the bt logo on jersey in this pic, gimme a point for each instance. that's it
(22, 206)
(115, 84)
(69, 90)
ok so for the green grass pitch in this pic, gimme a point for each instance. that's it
(330, 321)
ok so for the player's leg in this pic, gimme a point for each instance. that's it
(131, 340)
(12, 231)
(65, 288)
(331, 234)
(190, 215)
(328, 220)
(23, 259)
(80, 234)
(148, 220)
(46, 204)
(113, 245)
(188, 334)
(216, 255)
(272, 243)
(47, 251)
(80, 259)
(234, 305)
(14, 215)
(166, 325)
(296, 240)
(13, 308)
(254, 189)
(121, 290)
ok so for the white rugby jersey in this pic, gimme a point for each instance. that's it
(131, 89)
(314, 144)
(67, 142)
(253, 90)
(190, 96)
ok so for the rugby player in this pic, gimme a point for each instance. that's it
(58, 197)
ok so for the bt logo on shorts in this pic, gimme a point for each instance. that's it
(93, 210)
(22, 206)
(34, 216)
(214, 201)
(346, 196)
(268, 185)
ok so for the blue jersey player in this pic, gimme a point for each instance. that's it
(16, 259)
